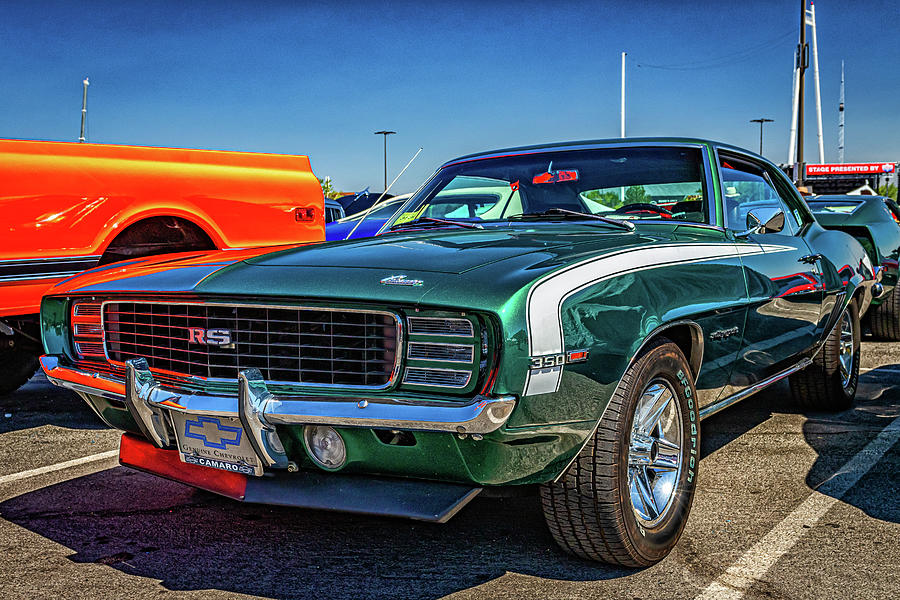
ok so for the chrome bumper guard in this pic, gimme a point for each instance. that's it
(260, 411)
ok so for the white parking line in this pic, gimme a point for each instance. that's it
(57, 467)
(757, 561)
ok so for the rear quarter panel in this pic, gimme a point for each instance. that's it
(68, 200)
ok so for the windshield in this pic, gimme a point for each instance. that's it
(619, 183)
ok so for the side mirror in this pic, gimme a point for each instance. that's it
(763, 220)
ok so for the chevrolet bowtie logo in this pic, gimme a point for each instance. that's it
(212, 433)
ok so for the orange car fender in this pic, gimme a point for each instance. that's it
(135, 214)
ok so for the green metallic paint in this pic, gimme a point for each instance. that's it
(487, 275)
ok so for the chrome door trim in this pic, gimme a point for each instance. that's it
(756, 387)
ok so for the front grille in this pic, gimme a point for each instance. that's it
(459, 353)
(437, 326)
(448, 378)
(310, 346)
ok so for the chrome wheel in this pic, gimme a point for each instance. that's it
(654, 453)
(846, 349)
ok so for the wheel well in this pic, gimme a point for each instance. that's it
(156, 235)
(688, 336)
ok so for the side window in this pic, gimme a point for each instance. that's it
(745, 188)
(796, 209)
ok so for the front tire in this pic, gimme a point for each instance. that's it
(626, 497)
(829, 384)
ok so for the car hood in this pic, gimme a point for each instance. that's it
(475, 263)
(454, 252)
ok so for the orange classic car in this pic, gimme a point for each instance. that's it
(68, 207)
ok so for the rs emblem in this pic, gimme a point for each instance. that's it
(209, 337)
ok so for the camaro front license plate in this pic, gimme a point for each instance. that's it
(217, 442)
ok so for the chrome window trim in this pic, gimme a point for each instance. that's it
(768, 168)
(589, 146)
(704, 161)
(198, 380)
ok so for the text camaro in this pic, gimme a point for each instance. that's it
(559, 317)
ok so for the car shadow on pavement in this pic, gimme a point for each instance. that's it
(838, 437)
(149, 527)
(39, 402)
(725, 427)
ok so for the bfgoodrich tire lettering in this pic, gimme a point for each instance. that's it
(590, 510)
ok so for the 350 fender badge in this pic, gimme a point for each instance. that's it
(401, 280)
(558, 360)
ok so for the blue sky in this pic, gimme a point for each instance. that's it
(318, 78)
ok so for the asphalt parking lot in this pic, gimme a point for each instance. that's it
(789, 505)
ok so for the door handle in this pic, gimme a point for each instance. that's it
(810, 259)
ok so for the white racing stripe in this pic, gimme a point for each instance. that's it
(546, 297)
(58, 466)
(762, 556)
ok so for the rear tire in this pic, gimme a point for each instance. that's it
(613, 503)
(884, 319)
(829, 384)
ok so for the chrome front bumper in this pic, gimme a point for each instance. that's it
(260, 411)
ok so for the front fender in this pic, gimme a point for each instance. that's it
(613, 319)
(846, 267)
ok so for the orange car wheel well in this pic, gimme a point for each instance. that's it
(157, 235)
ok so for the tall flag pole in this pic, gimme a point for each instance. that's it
(841, 120)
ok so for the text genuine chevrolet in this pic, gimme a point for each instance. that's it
(558, 316)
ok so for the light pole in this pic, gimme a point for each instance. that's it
(622, 113)
(385, 134)
(85, 83)
(761, 123)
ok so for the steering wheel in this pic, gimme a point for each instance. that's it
(641, 207)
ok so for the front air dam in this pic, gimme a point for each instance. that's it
(381, 496)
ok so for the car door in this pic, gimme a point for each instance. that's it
(784, 280)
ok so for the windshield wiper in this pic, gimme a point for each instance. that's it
(565, 213)
(422, 220)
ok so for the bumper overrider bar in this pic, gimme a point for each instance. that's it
(260, 411)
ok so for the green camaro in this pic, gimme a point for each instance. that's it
(875, 222)
(555, 318)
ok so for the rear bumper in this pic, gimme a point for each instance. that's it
(411, 499)
(260, 411)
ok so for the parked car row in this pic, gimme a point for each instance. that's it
(557, 318)
(70, 207)
(875, 222)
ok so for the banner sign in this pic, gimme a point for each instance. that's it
(851, 169)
